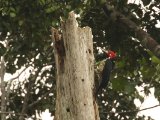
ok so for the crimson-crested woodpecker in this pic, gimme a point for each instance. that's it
(108, 67)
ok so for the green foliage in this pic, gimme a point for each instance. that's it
(123, 84)
(146, 2)
(2, 50)
(25, 25)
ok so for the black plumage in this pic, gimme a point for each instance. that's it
(106, 72)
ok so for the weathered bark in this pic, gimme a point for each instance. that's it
(145, 39)
(75, 72)
(3, 92)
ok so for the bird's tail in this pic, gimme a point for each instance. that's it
(98, 90)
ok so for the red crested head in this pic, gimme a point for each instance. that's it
(111, 54)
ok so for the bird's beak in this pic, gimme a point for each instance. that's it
(105, 51)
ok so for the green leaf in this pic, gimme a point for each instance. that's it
(42, 2)
(12, 9)
(120, 64)
(155, 59)
(20, 22)
(2, 49)
(101, 2)
(119, 83)
(139, 12)
(157, 92)
(51, 9)
(146, 2)
(12, 14)
(129, 88)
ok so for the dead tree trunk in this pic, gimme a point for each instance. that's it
(75, 72)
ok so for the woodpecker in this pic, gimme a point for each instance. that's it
(107, 69)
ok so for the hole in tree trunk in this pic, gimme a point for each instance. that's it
(68, 110)
(89, 50)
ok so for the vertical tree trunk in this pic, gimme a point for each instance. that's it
(3, 92)
(75, 72)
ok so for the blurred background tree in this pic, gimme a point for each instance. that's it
(25, 43)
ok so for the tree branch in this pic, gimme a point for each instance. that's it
(37, 101)
(145, 39)
(10, 82)
(133, 110)
(28, 93)
(14, 113)
(18, 74)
